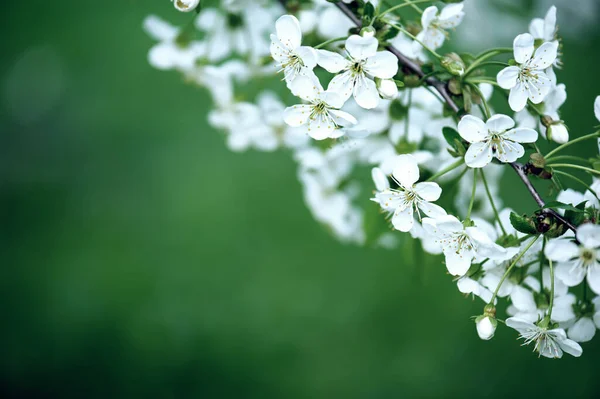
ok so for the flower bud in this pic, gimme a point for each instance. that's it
(387, 88)
(186, 5)
(368, 31)
(486, 326)
(557, 132)
(453, 64)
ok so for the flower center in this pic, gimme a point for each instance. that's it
(588, 256)
(357, 68)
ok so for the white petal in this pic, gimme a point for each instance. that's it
(472, 129)
(457, 264)
(429, 14)
(308, 55)
(432, 210)
(365, 93)
(297, 115)
(383, 65)
(342, 84)
(521, 135)
(522, 298)
(331, 62)
(499, 123)
(306, 88)
(380, 179)
(544, 55)
(343, 118)
(550, 23)
(288, 31)
(517, 98)
(569, 273)
(332, 98)
(429, 191)
(536, 28)
(406, 170)
(431, 37)
(597, 108)
(523, 47)
(571, 347)
(509, 151)
(561, 250)
(539, 88)
(507, 78)
(583, 330)
(451, 16)
(478, 155)
(320, 128)
(593, 277)
(360, 47)
(403, 219)
(519, 324)
(589, 235)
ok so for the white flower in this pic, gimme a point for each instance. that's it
(412, 196)
(186, 5)
(170, 53)
(575, 262)
(322, 116)
(363, 63)
(293, 59)
(558, 133)
(597, 108)
(462, 244)
(435, 25)
(495, 138)
(548, 343)
(528, 80)
(486, 327)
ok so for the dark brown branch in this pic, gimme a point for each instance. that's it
(442, 89)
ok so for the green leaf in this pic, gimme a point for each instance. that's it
(368, 13)
(576, 217)
(452, 137)
(522, 224)
(561, 205)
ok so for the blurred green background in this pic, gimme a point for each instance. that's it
(141, 258)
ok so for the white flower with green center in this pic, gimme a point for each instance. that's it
(577, 262)
(363, 64)
(495, 138)
(462, 244)
(411, 196)
(547, 342)
(435, 25)
(528, 80)
(292, 58)
(322, 117)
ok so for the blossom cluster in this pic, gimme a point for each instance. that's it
(368, 90)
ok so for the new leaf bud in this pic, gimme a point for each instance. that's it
(453, 64)
(557, 132)
(368, 31)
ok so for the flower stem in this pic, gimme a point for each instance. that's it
(566, 165)
(472, 194)
(551, 304)
(565, 145)
(407, 33)
(486, 107)
(584, 184)
(486, 55)
(489, 194)
(450, 168)
(512, 265)
(567, 158)
(475, 80)
(406, 3)
(542, 265)
(482, 64)
(325, 43)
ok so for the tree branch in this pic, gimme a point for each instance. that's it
(442, 89)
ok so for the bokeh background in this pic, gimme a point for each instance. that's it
(141, 258)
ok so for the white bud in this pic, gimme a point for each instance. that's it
(186, 5)
(368, 31)
(486, 327)
(387, 88)
(557, 132)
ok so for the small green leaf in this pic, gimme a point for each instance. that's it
(451, 136)
(561, 205)
(368, 13)
(522, 224)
